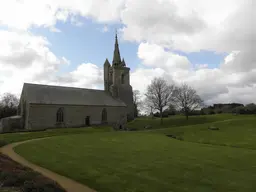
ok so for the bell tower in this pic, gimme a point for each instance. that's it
(117, 80)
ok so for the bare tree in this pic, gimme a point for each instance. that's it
(9, 100)
(8, 105)
(159, 95)
(136, 102)
(146, 106)
(186, 99)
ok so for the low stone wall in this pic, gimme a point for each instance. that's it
(10, 124)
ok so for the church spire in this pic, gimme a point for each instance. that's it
(116, 58)
(123, 63)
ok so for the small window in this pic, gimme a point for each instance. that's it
(122, 79)
(60, 115)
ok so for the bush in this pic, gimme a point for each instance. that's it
(28, 175)
(30, 186)
(211, 112)
(3, 143)
(219, 111)
(157, 114)
(12, 180)
(195, 112)
(165, 114)
(202, 112)
(4, 175)
(17, 179)
(133, 129)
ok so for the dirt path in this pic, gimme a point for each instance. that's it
(68, 184)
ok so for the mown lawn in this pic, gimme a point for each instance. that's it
(173, 121)
(233, 133)
(179, 120)
(22, 136)
(147, 161)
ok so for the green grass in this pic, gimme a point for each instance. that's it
(174, 121)
(150, 161)
(22, 136)
(178, 120)
(233, 133)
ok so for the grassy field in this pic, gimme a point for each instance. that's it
(174, 121)
(150, 161)
(178, 120)
(232, 133)
(22, 136)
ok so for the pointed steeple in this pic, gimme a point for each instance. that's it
(106, 63)
(123, 63)
(116, 58)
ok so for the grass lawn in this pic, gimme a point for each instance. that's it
(22, 136)
(152, 162)
(174, 121)
(178, 120)
(233, 133)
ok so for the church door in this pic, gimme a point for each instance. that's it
(87, 121)
(104, 117)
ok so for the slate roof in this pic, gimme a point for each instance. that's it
(48, 94)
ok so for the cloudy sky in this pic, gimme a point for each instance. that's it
(211, 45)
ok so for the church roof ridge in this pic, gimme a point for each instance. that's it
(61, 95)
(61, 86)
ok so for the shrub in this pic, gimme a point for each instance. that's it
(31, 186)
(28, 175)
(211, 112)
(133, 129)
(12, 180)
(3, 143)
(17, 179)
(164, 114)
(28, 186)
(219, 111)
(4, 175)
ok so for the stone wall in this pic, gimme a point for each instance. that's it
(10, 124)
(44, 116)
(126, 95)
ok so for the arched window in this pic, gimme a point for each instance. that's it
(122, 79)
(60, 115)
(104, 117)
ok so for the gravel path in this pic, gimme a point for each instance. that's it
(68, 184)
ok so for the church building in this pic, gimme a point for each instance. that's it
(47, 106)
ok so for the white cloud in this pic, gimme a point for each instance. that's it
(87, 75)
(191, 25)
(27, 58)
(201, 66)
(105, 29)
(219, 26)
(140, 78)
(24, 14)
(213, 85)
(240, 61)
(153, 55)
(183, 25)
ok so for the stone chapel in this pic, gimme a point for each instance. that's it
(47, 106)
